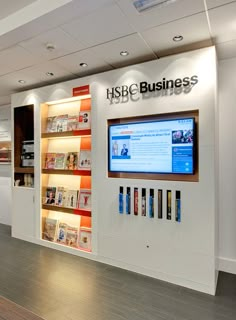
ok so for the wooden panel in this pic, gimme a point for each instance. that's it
(67, 172)
(24, 170)
(10, 310)
(81, 212)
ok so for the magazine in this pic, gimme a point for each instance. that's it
(61, 123)
(85, 159)
(71, 161)
(51, 124)
(50, 161)
(60, 161)
(61, 234)
(84, 239)
(71, 198)
(84, 120)
(72, 236)
(60, 196)
(50, 195)
(50, 229)
(73, 122)
(85, 199)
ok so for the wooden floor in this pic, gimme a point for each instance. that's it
(58, 286)
(11, 311)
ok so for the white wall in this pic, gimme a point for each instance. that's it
(5, 176)
(227, 162)
(179, 253)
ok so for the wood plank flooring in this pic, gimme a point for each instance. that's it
(11, 311)
(59, 286)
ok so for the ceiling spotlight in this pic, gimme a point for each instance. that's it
(50, 46)
(178, 38)
(83, 64)
(124, 53)
(49, 74)
(22, 81)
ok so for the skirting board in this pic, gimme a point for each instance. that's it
(227, 265)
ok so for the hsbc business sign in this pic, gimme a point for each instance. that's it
(143, 87)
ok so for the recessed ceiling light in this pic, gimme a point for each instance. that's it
(124, 53)
(50, 46)
(178, 38)
(22, 81)
(83, 64)
(50, 74)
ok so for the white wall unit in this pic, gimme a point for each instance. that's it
(5, 200)
(5, 168)
(180, 253)
(23, 218)
(227, 170)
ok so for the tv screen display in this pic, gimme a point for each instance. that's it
(159, 146)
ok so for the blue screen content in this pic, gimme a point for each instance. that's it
(164, 146)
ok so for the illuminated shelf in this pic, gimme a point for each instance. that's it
(54, 243)
(64, 134)
(24, 170)
(80, 212)
(67, 172)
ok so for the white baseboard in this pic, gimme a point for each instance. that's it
(227, 265)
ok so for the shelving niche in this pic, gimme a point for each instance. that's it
(66, 220)
(23, 131)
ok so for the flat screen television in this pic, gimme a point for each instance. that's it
(155, 146)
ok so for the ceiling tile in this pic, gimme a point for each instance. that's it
(134, 44)
(161, 38)
(39, 72)
(226, 50)
(223, 23)
(17, 58)
(104, 25)
(64, 44)
(4, 69)
(157, 16)
(216, 3)
(9, 83)
(72, 62)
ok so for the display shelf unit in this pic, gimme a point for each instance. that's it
(23, 131)
(74, 180)
(5, 152)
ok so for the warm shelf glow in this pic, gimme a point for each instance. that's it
(50, 103)
(80, 212)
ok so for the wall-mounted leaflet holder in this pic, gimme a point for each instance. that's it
(135, 201)
(151, 203)
(128, 204)
(177, 206)
(168, 204)
(121, 200)
(159, 198)
(143, 202)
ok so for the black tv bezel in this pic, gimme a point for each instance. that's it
(155, 172)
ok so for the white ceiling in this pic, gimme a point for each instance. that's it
(95, 31)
